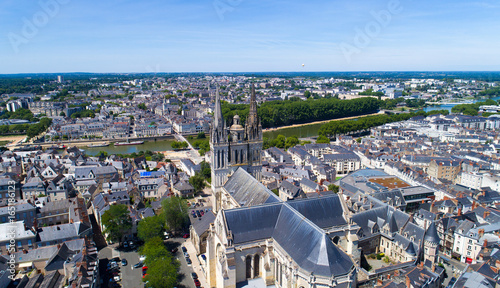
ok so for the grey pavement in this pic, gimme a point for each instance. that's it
(130, 278)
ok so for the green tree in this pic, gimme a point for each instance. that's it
(158, 157)
(162, 268)
(291, 142)
(151, 227)
(163, 273)
(201, 135)
(279, 141)
(179, 145)
(205, 170)
(175, 210)
(322, 139)
(142, 106)
(62, 114)
(117, 222)
(334, 188)
(197, 181)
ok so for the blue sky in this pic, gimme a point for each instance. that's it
(248, 36)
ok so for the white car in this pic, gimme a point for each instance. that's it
(142, 258)
(117, 278)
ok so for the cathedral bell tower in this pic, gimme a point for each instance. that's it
(219, 147)
(234, 148)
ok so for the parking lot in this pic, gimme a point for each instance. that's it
(132, 277)
(129, 277)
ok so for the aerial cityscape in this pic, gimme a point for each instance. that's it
(234, 144)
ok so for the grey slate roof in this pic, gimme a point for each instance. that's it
(247, 191)
(301, 238)
(58, 232)
(321, 211)
(251, 224)
(308, 245)
(431, 235)
(203, 223)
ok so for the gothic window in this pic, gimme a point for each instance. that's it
(248, 261)
(235, 156)
(241, 156)
(256, 263)
(222, 159)
(218, 159)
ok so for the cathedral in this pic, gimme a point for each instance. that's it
(236, 147)
(259, 239)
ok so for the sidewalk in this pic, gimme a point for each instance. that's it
(196, 265)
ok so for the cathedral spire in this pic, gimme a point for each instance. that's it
(253, 129)
(218, 118)
(253, 103)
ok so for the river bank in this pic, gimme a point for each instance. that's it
(305, 130)
(316, 122)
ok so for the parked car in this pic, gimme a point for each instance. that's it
(204, 257)
(452, 281)
(138, 265)
(184, 249)
(186, 254)
(124, 262)
(194, 275)
(197, 283)
(185, 235)
(142, 258)
(174, 250)
(188, 261)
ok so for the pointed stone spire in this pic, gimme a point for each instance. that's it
(218, 118)
(253, 101)
(252, 126)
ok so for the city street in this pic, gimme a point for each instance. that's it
(453, 269)
(185, 270)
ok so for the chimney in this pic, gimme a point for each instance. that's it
(433, 268)
(408, 283)
(396, 273)
(459, 212)
(379, 282)
(58, 246)
(486, 214)
(481, 233)
(485, 243)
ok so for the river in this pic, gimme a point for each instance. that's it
(160, 145)
(449, 106)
